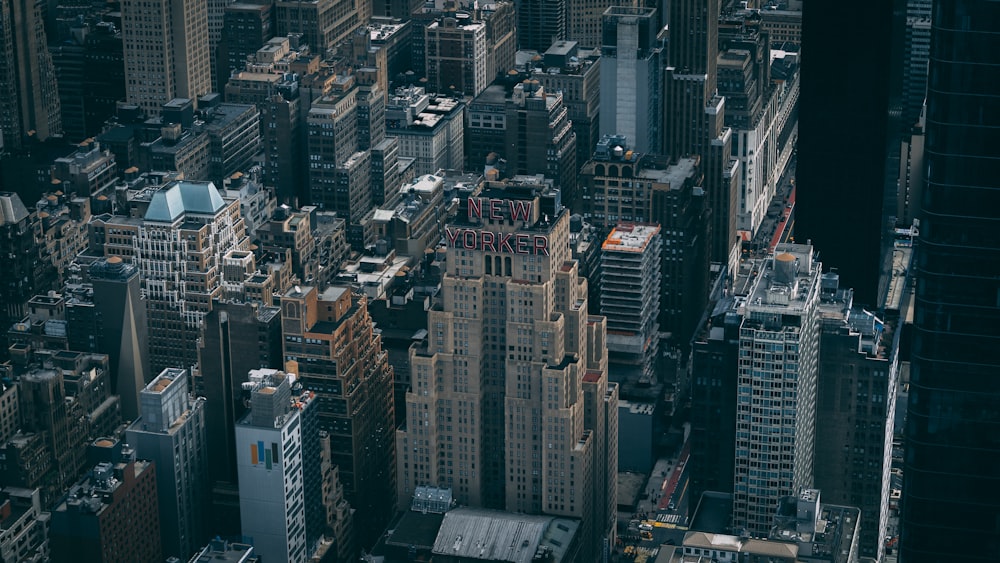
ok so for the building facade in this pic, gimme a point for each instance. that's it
(950, 424)
(166, 51)
(512, 371)
(776, 392)
(170, 432)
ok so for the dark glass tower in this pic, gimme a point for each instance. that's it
(843, 128)
(951, 476)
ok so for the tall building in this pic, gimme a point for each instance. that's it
(776, 393)
(90, 66)
(178, 245)
(166, 51)
(540, 137)
(840, 124)
(951, 426)
(330, 337)
(916, 52)
(271, 445)
(859, 376)
(456, 57)
(122, 332)
(631, 77)
(170, 432)
(429, 128)
(110, 515)
(630, 300)
(30, 101)
(322, 23)
(694, 118)
(584, 19)
(245, 29)
(540, 23)
(512, 371)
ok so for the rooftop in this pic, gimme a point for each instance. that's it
(183, 197)
(628, 237)
(489, 535)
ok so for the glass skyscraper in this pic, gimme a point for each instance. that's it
(951, 488)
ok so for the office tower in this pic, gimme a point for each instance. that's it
(511, 352)
(90, 66)
(216, 20)
(540, 137)
(245, 29)
(916, 52)
(178, 246)
(576, 73)
(386, 173)
(166, 52)
(501, 35)
(371, 111)
(234, 139)
(429, 128)
(842, 142)
(456, 56)
(110, 515)
(170, 432)
(540, 23)
(123, 332)
(30, 106)
(631, 79)
(776, 396)
(950, 430)
(694, 118)
(630, 300)
(858, 376)
(651, 189)
(239, 336)
(585, 19)
(61, 230)
(330, 337)
(322, 23)
(24, 272)
(783, 26)
(714, 371)
(270, 445)
(332, 137)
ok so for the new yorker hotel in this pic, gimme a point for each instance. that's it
(509, 404)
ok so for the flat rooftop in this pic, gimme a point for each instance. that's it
(627, 237)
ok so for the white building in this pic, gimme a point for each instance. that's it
(270, 470)
(776, 394)
(170, 431)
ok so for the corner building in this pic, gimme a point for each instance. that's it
(507, 405)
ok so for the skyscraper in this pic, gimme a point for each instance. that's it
(30, 100)
(842, 141)
(171, 432)
(166, 51)
(584, 19)
(952, 429)
(504, 373)
(270, 445)
(330, 337)
(776, 393)
(631, 77)
(540, 23)
(694, 117)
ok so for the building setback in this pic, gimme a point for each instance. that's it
(513, 374)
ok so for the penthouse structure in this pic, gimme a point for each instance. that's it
(513, 373)
(630, 299)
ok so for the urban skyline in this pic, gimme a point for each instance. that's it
(505, 281)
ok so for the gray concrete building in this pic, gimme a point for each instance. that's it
(631, 77)
(170, 432)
